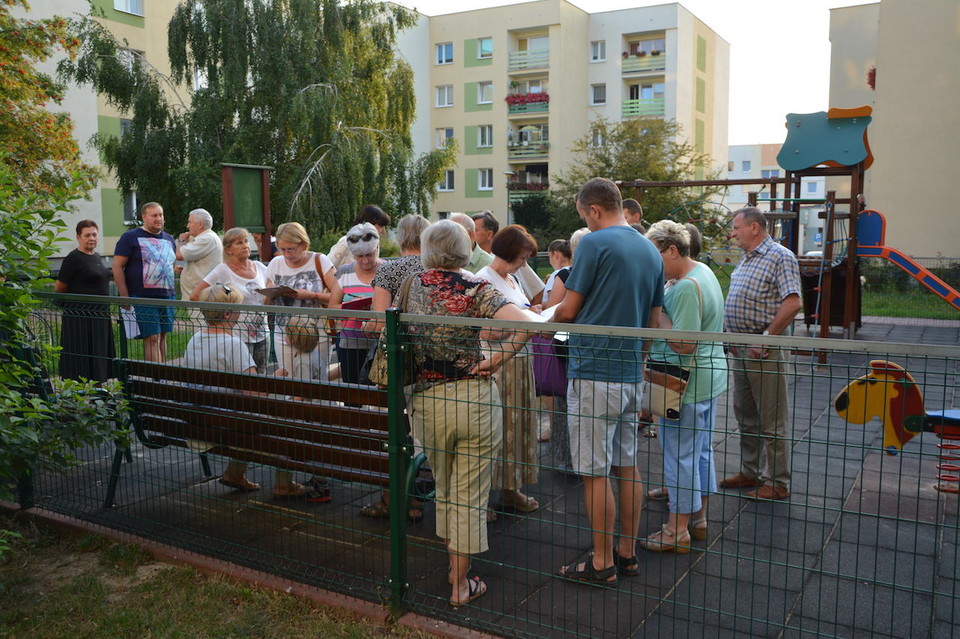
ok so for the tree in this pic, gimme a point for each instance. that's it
(42, 155)
(309, 87)
(648, 149)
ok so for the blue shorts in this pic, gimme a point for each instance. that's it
(152, 320)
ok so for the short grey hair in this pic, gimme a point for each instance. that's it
(667, 233)
(576, 237)
(203, 216)
(445, 245)
(463, 220)
(409, 229)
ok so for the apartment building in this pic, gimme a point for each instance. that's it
(751, 161)
(915, 98)
(517, 85)
(143, 25)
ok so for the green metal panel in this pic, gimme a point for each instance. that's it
(112, 209)
(470, 103)
(106, 6)
(701, 95)
(643, 108)
(701, 54)
(534, 107)
(248, 198)
(633, 64)
(399, 461)
(471, 49)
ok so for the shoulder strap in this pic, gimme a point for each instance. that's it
(319, 268)
(699, 298)
(401, 299)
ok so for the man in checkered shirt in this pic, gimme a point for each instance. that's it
(764, 297)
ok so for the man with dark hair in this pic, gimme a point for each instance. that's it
(478, 258)
(763, 298)
(632, 211)
(486, 227)
(616, 280)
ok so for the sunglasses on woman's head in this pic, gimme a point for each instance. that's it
(226, 289)
(366, 237)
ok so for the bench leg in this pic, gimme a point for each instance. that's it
(205, 464)
(118, 456)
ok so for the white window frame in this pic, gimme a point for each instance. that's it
(449, 182)
(812, 187)
(598, 51)
(485, 179)
(484, 136)
(447, 91)
(441, 135)
(596, 138)
(441, 53)
(131, 207)
(130, 58)
(746, 165)
(133, 7)
(593, 94)
(480, 53)
(480, 90)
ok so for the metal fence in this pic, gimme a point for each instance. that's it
(865, 544)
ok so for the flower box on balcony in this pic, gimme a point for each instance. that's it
(527, 98)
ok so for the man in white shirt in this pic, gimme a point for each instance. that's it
(201, 250)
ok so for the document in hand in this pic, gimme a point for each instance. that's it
(277, 291)
(362, 304)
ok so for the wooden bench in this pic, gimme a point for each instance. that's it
(174, 406)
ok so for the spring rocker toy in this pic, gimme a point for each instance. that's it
(889, 393)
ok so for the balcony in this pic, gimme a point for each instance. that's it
(523, 103)
(634, 64)
(519, 191)
(643, 108)
(526, 151)
(529, 60)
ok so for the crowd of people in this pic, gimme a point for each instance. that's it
(472, 405)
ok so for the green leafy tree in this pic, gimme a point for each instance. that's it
(40, 173)
(309, 87)
(649, 149)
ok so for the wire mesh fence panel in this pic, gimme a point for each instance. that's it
(802, 487)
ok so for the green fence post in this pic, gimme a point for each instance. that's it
(400, 452)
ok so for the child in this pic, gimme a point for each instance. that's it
(217, 348)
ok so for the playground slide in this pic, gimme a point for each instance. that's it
(870, 238)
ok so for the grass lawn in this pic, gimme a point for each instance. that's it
(52, 587)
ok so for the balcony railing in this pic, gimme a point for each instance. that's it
(643, 108)
(523, 60)
(533, 107)
(633, 64)
(531, 150)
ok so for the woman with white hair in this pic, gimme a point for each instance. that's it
(693, 303)
(356, 279)
(310, 275)
(200, 249)
(455, 409)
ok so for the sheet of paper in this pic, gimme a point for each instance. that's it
(130, 328)
(547, 314)
(277, 291)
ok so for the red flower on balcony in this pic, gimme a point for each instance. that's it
(872, 78)
(526, 186)
(527, 98)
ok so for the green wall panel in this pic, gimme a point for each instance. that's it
(470, 51)
(701, 95)
(112, 207)
(106, 6)
(471, 182)
(701, 54)
(470, 104)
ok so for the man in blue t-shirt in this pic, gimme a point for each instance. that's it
(143, 267)
(616, 280)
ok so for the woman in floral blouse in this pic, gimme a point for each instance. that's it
(455, 409)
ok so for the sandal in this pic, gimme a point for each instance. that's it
(650, 431)
(627, 566)
(299, 491)
(475, 589)
(658, 494)
(698, 529)
(519, 503)
(245, 485)
(381, 510)
(665, 541)
(584, 572)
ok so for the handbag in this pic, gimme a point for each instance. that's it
(664, 384)
(549, 367)
(329, 323)
(378, 367)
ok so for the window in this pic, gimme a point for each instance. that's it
(131, 205)
(200, 79)
(126, 126)
(646, 91)
(445, 53)
(598, 94)
(745, 166)
(811, 187)
(445, 95)
(731, 166)
(447, 183)
(653, 46)
(129, 6)
(485, 48)
(484, 92)
(596, 137)
(130, 58)
(529, 86)
(485, 135)
(485, 179)
(770, 173)
(598, 51)
(441, 136)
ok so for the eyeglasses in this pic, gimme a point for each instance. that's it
(366, 237)
(290, 249)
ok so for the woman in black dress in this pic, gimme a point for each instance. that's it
(87, 335)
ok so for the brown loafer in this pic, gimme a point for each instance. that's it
(740, 480)
(769, 493)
